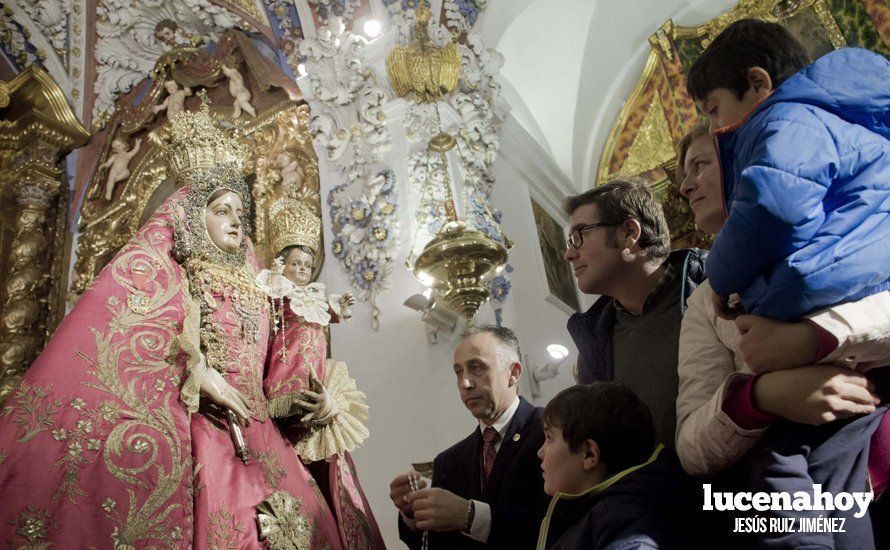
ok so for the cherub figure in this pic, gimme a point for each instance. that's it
(175, 102)
(290, 171)
(168, 33)
(118, 164)
(238, 90)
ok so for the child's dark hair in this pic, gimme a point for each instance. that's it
(610, 414)
(286, 251)
(745, 44)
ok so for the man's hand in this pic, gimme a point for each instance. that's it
(439, 510)
(399, 489)
(769, 345)
(815, 395)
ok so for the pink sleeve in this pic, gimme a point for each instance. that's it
(827, 342)
(738, 404)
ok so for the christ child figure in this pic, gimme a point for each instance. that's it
(298, 366)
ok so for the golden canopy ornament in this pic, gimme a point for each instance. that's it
(195, 141)
(292, 223)
(459, 261)
(426, 71)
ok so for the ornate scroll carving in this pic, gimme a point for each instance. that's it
(128, 48)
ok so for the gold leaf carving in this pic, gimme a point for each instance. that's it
(652, 146)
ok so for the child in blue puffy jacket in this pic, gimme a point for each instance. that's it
(805, 161)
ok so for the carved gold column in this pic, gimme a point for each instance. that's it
(37, 130)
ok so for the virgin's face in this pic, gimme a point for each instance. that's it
(298, 266)
(223, 219)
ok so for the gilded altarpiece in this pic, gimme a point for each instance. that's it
(37, 130)
(282, 161)
(643, 141)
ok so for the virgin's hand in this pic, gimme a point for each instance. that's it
(347, 300)
(769, 345)
(316, 399)
(815, 395)
(215, 388)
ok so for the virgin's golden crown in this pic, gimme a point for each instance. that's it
(194, 141)
(293, 222)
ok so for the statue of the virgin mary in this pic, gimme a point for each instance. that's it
(121, 433)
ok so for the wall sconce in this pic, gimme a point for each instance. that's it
(434, 313)
(557, 356)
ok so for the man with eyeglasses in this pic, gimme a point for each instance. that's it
(619, 248)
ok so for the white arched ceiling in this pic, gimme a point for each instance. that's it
(544, 56)
(570, 64)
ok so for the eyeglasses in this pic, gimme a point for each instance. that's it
(576, 237)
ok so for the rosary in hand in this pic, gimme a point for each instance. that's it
(414, 480)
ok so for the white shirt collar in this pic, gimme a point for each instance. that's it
(504, 420)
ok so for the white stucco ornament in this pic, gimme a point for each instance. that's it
(127, 47)
(348, 119)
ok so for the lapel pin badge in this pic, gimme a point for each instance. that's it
(516, 437)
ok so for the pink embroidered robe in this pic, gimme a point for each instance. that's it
(98, 449)
(295, 349)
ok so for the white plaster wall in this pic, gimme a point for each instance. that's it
(415, 411)
(537, 321)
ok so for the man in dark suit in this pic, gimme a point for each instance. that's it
(487, 490)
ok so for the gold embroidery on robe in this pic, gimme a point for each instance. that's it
(223, 527)
(33, 415)
(269, 462)
(32, 527)
(284, 527)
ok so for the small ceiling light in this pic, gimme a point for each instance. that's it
(558, 354)
(557, 351)
(373, 28)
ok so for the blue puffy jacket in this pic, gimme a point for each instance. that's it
(806, 179)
